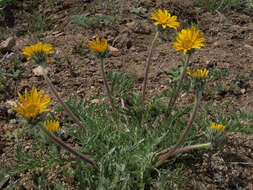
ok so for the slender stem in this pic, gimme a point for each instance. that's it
(69, 149)
(147, 68)
(106, 84)
(179, 85)
(65, 107)
(165, 154)
(187, 148)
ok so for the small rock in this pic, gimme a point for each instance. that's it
(248, 46)
(11, 103)
(113, 49)
(115, 52)
(243, 91)
(27, 148)
(7, 45)
(38, 71)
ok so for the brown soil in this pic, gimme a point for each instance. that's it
(74, 70)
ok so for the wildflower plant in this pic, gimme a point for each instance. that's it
(199, 76)
(34, 103)
(163, 20)
(216, 133)
(187, 40)
(123, 146)
(39, 53)
(100, 47)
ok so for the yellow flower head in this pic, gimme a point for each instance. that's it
(32, 104)
(198, 73)
(99, 46)
(188, 39)
(164, 19)
(38, 50)
(218, 127)
(51, 125)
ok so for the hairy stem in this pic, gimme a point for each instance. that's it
(68, 148)
(187, 148)
(144, 88)
(179, 84)
(108, 91)
(166, 154)
(65, 107)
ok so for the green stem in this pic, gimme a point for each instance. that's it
(166, 154)
(147, 68)
(179, 85)
(65, 107)
(106, 84)
(68, 148)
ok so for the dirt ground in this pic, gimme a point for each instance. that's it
(74, 70)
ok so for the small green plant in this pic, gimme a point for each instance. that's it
(91, 22)
(100, 47)
(39, 23)
(110, 6)
(15, 74)
(15, 63)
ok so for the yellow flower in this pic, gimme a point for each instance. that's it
(218, 127)
(37, 49)
(32, 104)
(188, 39)
(198, 73)
(164, 19)
(52, 125)
(100, 46)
